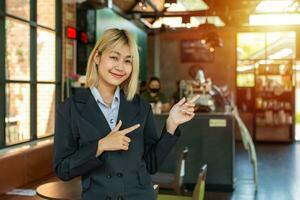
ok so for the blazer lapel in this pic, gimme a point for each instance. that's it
(93, 114)
(127, 111)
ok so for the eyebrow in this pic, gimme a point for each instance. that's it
(116, 52)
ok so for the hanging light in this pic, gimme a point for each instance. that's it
(143, 4)
(186, 19)
(168, 3)
(210, 35)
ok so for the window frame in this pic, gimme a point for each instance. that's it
(33, 26)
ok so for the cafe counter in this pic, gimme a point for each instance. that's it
(210, 140)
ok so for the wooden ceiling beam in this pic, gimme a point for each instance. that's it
(173, 14)
(153, 6)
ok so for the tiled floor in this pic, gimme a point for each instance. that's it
(278, 173)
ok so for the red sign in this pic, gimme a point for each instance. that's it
(71, 33)
(84, 37)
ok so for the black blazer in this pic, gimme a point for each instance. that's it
(115, 175)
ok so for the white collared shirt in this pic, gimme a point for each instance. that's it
(110, 113)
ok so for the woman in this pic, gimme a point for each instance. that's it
(155, 95)
(106, 134)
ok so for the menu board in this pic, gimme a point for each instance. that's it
(195, 51)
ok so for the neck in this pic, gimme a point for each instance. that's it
(107, 92)
(153, 94)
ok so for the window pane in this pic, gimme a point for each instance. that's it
(251, 46)
(46, 13)
(45, 55)
(17, 50)
(17, 118)
(19, 8)
(45, 109)
(281, 45)
(245, 73)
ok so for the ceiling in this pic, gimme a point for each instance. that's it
(152, 13)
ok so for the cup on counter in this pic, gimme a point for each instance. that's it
(158, 108)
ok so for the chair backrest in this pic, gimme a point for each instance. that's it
(156, 189)
(199, 189)
(180, 168)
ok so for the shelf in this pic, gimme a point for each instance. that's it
(274, 125)
(272, 109)
(273, 89)
(272, 74)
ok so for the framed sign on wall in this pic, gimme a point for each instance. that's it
(195, 51)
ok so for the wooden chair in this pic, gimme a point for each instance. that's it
(172, 181)
(199, 190)
(156, 189)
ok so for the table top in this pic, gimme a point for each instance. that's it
(59, 190)
(70, 190)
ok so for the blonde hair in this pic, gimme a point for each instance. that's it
(111, 39)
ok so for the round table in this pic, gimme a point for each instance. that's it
(59, 190)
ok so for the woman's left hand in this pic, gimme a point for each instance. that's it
(180, 113)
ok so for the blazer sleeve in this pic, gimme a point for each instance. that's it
(157, 148)
(71, 159)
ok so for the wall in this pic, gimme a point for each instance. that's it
(221, 70)
(68, 45)
(25, 165)
(106, 18)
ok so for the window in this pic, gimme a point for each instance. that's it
(17, 50)
(29, 75)
(256, 48)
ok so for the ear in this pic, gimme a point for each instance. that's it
(97, 58)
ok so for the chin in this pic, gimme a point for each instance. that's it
(116, 82)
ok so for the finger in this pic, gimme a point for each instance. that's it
(130, 129)
(187, 112)
(187, 104)
(126, 139)
(181, 102)
(194, 99)
(191, 110)
(124, 147)
(126, 144)
(117, 127)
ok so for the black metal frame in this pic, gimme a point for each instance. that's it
(33, 65)
(2, 74)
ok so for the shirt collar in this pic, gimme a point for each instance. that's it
(99, 99)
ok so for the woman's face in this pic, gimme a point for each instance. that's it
(154, 86)
(114, 66)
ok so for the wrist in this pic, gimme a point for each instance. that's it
(100, 148)
(171, 125)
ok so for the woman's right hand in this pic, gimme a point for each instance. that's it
(116, 139)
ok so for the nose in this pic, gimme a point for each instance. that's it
(120, 66)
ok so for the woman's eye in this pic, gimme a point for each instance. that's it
(128, 61)
(114, 58)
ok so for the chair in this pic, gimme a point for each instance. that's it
(156, 189)
(199, 190)
(247, 142)
(172, 181)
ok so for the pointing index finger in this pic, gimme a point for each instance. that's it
(194, 99)
(130, 129)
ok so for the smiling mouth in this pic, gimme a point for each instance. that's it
(117, 75)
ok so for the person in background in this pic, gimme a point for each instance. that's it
(155, 96)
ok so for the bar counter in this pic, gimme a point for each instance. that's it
(210, 140)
